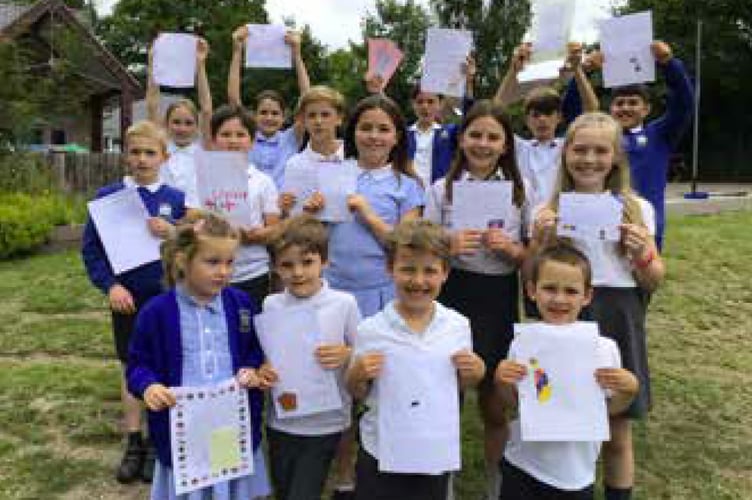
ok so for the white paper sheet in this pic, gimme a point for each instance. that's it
(625, 42)
(418, 413)
(384, 58)
(289, 338)
(559, 399)
(222, 181)
(552, 24)
(266, 47)
(590, 216)
(210, 431)
(121, 221)
(175, 59)
(481, 204)
(336, 182)
(302, 181)
(446, 52)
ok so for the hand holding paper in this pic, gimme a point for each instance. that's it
(628, 56)
(268, 46)
(509, 372)
(157, 397)
(268, 376)
(470, 367)
(367, 367)
(332, 356)
(248, 377)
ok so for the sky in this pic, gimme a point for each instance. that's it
(333, 22)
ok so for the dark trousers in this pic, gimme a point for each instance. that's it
(519, 485)
(370, 484)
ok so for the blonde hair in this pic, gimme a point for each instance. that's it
(322, 93)
(181, 103)
(148, 130)
(617, 180)
(420, 235)
(186, 240)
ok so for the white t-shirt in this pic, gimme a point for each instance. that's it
(448, 329)
(483, 261)
(424, 152)
(539, 164)
(252, 261)
(338, 316)
(563, 465)
(179, 171)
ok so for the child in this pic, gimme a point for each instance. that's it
(232, 129)
(182, 123)
(387, 193)
(272, 145)
(301, 449)
(416, 325)
(560, 285)
(483, 283)
(431, 145)
(593, 162)
(200, 332)
(146, 149)
(649, 145)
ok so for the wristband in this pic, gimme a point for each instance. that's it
(644, 262)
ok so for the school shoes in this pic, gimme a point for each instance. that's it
(133, 460)
(147, 469)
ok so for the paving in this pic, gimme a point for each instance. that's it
(721, 197)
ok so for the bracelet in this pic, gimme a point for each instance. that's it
(644, 262)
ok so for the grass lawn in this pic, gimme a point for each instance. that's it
(59, 409)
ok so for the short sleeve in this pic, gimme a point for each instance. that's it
(414, 195)
(434, 202)
(269, 196)
(352, 320)
(607, 353)
(648, 215)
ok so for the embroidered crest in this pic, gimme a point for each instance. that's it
(642, 140)
(245, 320)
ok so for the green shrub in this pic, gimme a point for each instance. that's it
(26, 221)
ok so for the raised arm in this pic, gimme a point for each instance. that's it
(470, 69)
(239, 37)
(679, 101)
(509, 89)
(584, 88)
(294, 40)
(202, 88)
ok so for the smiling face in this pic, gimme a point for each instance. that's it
(269, 116)
(589, 158)
(209, 269)
(629, 110)
(182, 126)
(482, 143)
(375, 137)
(426, 107)
(144, 157)
(232, 135)
(299, 270)
(418, 277)
(560, 292)
(321, 120)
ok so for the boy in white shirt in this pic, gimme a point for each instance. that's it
(301, 449)
(560, 285)
(413, 326)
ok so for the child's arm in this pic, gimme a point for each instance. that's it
(470, 368)
(202, 88)
(358, 203)
(497, 240)
(140, 374)
(508, 374)
(643, 253)
(152, 92)
(361, 372)
(249, 378)
(584, 88)
(332, 356)
(679, 101)
(260, 235)
(268, 376)
(509, 89)
(470, 69)
(239, 36)
(623, 386)
(294, 40)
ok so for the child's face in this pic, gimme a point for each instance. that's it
(182, 126)
(483, 142)
(375, 137)
(589, 158)
(233, 136)
(560, 292)
(145, 156)
(542, 125)
(629, 110)
(299, 270)
(418, 277)
(210, 269)
(426, 107)
(321, 120)
(269, 117)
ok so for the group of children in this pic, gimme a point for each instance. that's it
(398, 264)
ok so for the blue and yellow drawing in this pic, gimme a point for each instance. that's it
(542, 384)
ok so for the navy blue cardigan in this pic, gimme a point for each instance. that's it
(444, 145)
(155, 356)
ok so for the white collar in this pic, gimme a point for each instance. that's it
(435, 126)
(496, 176)
(323, 290)
(129, 182)
(377, 173)
(337, 157)
(636, 130)
(173, 148)
(553, 143)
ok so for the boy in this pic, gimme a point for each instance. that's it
(146, 150)
(301, 449)
(412, 327)
(560, 285)
(649, 145)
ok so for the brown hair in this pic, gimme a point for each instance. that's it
(421, 235)
(271, 95)
(564, 253)
(228, 112)
(181, 103)
(303, 231)
(149, 130)
(545, 100)
(187, 238)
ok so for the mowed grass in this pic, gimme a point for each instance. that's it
(59, 389)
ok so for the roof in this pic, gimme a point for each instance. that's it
(9, 12)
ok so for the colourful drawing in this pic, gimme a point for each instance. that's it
(542, 384)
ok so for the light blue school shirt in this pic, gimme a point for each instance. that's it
(356, 257)
(270, 154)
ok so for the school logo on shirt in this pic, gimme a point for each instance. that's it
(245, 320)
(641, 140)
(540, 378)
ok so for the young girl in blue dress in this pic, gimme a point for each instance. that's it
(387, 193)
(198, 333)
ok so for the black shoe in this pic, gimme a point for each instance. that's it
(130, 466)
(343, 495)
(147, 469)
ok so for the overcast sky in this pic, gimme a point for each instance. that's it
(333, 22)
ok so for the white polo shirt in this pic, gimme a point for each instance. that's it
(179, 171)
(423, 160)
(539, 164)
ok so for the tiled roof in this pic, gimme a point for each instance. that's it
(9, 12)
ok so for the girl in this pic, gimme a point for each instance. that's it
(623, 272)
(182, 122)
(232, 129)
(387, 193)
(483, 283)
(272, 146)
(127, 292)
(198, 333)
